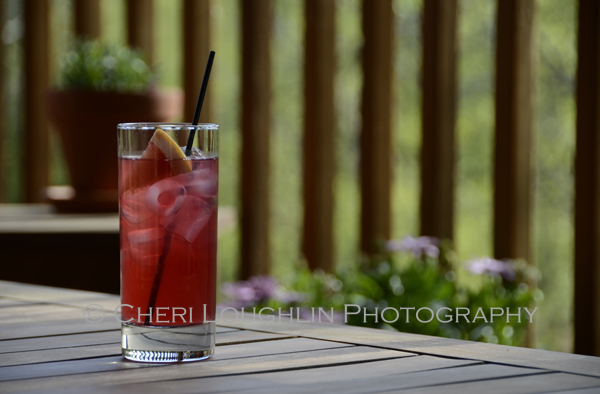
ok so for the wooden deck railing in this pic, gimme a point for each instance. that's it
(438, 118)
(512, 162)
(256, 120)
(587, 182)
(35, 135)
(319, 133)
(513, 131)
(375, 134)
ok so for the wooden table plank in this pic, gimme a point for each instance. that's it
(111, 346)
(376, 371)
(299, 380)
(49, 346)
(355, 378)
(71, 323)
(257, 349)
(58, 327)
(60, 341)
(104, 338)
(63, 354)
(424, 344)
(116, 363)
(342, 381)
(525, 384)
(112, 370)
(36, 293)
(41, 313)
(242, 336)
(590, 390)
(220, 329)
(10, 302)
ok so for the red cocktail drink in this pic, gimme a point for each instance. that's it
(174, 218)
(168, 229)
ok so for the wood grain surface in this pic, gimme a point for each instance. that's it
(47, 346)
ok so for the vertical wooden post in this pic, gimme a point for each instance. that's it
(140, 26)
(87, 18)
(35, 134)
(2, 108)
(196, 47)
(375, 138)
(512, 162)
(256, 119)
(438, 118)
(587, 183)
(319, 130)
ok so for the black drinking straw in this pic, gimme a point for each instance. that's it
(188, 151)
(188, 147)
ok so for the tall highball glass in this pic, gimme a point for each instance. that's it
(168, 230)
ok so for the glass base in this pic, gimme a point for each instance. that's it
(168, 344)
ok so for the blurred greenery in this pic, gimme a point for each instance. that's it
(92, 65)
(422, 276)
(427, 283)
(554, 127)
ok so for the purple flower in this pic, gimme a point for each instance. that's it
(241, 294)
(264, 287)
(418, 246)
(257, 290)
(490, 266)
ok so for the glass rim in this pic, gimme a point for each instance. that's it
(167, 126)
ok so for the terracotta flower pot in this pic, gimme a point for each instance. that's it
(87, 124)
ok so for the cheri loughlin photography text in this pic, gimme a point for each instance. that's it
(413, 285)
(173, 315)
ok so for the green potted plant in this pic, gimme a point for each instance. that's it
(101, 85)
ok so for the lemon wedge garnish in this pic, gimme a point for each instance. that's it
(168, 148)
(148, 171)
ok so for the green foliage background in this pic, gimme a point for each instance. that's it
(92, 65)
(554, 127)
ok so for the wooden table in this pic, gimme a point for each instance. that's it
(47, 346)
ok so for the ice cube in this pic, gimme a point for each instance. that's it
(200, 183)
(133, 207)
(195, 152)
(165, 197)
(191, 218)
(145, 246)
